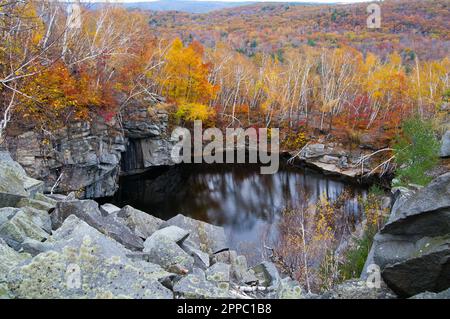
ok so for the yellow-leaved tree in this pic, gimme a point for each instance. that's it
(184, 81)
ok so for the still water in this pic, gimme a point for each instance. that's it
(237, 197)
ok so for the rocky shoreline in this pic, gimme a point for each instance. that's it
(61, 247)
(333, 159)
(88, 157)
(56, 246)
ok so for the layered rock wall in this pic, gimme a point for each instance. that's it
(88, 157)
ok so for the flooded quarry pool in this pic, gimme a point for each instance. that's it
(237, 197)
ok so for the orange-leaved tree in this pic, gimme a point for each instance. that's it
(54, 96)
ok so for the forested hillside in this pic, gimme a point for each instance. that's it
(300, 68)
(415, 26)
(181, 5)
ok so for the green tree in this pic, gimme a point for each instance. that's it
(416, 151)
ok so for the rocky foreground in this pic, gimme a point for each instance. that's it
(61, 247)
(55, 246)
(413, 248)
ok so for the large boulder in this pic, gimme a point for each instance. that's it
(268, 275)
(81, 262)
(143, 224)
(39, 217)
(426, 269)
(432, 295)
(208, 238)
(89, 211)
(35, 203)
(46, 199)
(427, 213)
(23, 225)
(196, 286)
(74, 231)
(314, 150)
(269, 283)
(355, 289)
(412, 249)
(9, 258)
(14, 182)
(240, 272)
(445, 147)
(163, 249)
(174, 233)
(86, 210)
(107, 209)
(219, 272)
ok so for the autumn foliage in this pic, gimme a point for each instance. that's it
(53, 73)
(322, 80)
(184, 81)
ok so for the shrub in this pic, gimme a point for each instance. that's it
(416, 152)
(355, 257)
(312, 43)
(446, 96)
(190, 112)
(329, 272)
(376, 190)
(307, 238)
(294, 141)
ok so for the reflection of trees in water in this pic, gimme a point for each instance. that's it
(235, 196)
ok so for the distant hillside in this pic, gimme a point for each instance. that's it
(408, 26)
(184, 6)
(193, 6)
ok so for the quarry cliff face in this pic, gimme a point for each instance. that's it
(88, 157)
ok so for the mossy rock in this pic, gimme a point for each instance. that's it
(81, 262)
(20, 227)
(9, 258)
(195, 286)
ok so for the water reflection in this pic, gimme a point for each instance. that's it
(236, 197)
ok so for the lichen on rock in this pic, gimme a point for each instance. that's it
(86, 268)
